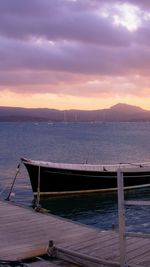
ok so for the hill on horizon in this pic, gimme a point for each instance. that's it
(119, 112)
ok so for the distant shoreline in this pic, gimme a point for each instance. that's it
(117, 113)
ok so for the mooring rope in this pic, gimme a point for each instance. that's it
(136, 164)
(132, 164)
(17, 172)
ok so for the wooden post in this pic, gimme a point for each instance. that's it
(38, 190)
(121, 218)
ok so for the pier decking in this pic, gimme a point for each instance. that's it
(25, 233)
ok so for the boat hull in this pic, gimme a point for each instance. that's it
(56, 181)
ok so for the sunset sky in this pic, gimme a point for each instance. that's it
(80, 54)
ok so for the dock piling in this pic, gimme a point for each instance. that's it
(121, 219)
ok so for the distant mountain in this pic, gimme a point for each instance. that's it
(126, 108)
(119, 112)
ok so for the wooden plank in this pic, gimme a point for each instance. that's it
(137, 202)
(138, 252)
(42, 235)
(43, 264)
(35, 232)
(25, 233)
(86, 260)
(98, 245)
(134, 245)
(144, 259)
(109, 252)
(97, 238)
(51, 263)
(23, 251)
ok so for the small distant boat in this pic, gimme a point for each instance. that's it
(48, 178)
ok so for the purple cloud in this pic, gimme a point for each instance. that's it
(49, 42)
(72, 57)
(58, 20)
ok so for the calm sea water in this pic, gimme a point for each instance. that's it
(76, 143)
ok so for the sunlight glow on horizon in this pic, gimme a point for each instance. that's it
(75, 54)
(61, 102)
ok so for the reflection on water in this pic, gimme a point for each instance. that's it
(101, 210)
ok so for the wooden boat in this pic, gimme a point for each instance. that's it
(49, 178)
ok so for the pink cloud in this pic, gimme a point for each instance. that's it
(60, 45)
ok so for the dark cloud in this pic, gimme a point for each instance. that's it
(73, 58)
(58, 20)
(46, 42)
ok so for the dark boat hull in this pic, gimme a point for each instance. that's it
(53, 181)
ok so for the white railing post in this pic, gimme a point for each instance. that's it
(121, 218)
(38, 189)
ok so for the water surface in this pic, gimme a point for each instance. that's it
(96, 143)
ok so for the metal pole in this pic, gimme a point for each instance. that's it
(121, 218)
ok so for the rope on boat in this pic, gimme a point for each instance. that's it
(17, 172)
(132, 164)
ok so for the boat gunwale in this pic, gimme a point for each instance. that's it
(127, 167)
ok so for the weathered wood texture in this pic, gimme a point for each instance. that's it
(44, 264)
(25, 233)
(53, 263)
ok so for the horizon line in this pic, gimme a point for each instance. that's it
(69, 109)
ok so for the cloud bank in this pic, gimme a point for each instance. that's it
(77, 48)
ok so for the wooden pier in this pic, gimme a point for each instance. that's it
(25, 233)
